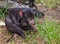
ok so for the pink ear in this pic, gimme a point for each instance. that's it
(20, 13)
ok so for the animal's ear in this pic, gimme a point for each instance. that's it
(20, 13)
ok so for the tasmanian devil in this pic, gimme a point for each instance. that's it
(19, 19)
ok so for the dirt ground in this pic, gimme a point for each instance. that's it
(4, 34)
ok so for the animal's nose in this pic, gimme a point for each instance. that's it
(32, 22)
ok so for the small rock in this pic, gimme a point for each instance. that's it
(2, 23)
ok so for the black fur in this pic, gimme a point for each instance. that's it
(15, 23)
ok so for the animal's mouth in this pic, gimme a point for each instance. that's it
(31, 22)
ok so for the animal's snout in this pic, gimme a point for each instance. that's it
(31, 22)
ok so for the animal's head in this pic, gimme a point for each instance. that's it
(27, 16)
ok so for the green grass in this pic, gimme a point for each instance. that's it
(48, 31)
(3, 11)
(49, 3)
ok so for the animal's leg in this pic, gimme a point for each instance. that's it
(13, 27)
(18, 31)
